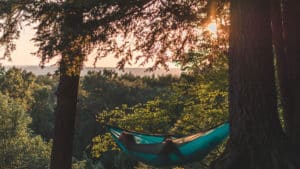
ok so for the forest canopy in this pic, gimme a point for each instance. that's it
(146, 106)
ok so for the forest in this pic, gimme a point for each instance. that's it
(152, 104)
(241, 68)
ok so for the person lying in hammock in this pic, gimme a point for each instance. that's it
(165, 147)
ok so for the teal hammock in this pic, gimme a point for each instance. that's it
(166, 150)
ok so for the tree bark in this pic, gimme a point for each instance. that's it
(279, 48)
(64, 122)
(252, 93)
(256, 137)
(70, 67)
(291, 69)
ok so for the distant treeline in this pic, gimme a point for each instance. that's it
(37, 70)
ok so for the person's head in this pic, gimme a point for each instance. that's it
(127, 139)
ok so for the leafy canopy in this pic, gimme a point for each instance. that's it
(157, 30)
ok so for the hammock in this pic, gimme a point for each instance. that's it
(167, 150)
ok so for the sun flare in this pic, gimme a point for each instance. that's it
(212, 28)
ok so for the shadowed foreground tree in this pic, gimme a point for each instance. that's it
(290, 62)
(286, 38)
(67, 91)
(256, 137)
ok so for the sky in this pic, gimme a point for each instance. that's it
(25, 47)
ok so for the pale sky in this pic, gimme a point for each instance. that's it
(22, 55)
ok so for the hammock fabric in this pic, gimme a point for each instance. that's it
(166, 150)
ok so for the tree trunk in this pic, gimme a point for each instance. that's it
(253, 105)
(64, 122)
(256, 137)
(70, 67)
(291, 69)
(279, 46)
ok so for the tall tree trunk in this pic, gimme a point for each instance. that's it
(64, 122)
(291, 69)
(279, 46)
(70, 67)
(256, 137)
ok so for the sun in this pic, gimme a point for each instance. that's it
(212, 28)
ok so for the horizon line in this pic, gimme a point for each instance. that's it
(86, 67)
